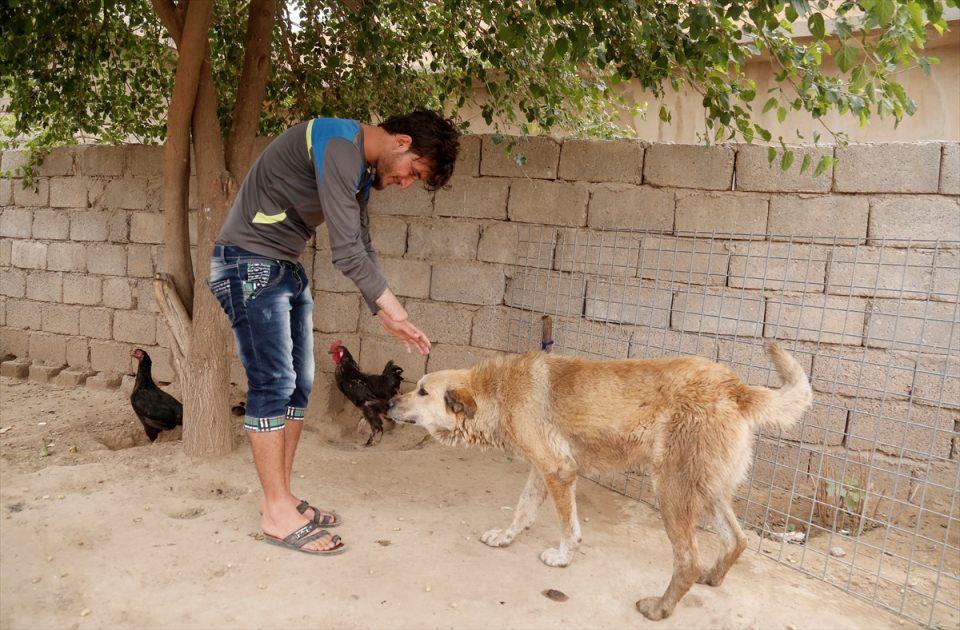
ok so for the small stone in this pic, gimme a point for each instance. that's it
(61, 497)
(35, 579)
(586, 519)
(837, 552)
(399, 518)
(262, 587)
(146, 508)
(302, 477)
(427, 589)
(396, 529)
(46, 496)
(4, 430)
(453, 604)
(555, 595)
(371, 571)
(49, 558)
(84, 612)
(137, 519)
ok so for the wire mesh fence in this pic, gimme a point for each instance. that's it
(864, 492)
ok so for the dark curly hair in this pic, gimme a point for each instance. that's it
(435, 139)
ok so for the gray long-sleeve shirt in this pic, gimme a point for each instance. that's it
(313, 172)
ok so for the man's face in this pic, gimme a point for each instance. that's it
(400, 166)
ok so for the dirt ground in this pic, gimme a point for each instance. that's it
(101, 530)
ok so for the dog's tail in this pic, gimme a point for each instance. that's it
(781, 407)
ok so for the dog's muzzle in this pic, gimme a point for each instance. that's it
(394, 414)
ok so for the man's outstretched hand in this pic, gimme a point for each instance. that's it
(393, 319)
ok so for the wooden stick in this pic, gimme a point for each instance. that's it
(546, 334)
(176, 316)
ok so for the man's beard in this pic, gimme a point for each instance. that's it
(377, 181)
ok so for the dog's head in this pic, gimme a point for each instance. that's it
(442, 403)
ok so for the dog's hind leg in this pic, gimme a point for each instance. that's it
(734, 542)
(562, 486)
(680, 516)
(533, 495)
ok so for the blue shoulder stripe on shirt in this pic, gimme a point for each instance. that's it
(321, 130)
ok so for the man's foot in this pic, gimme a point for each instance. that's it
(279, 522)
(324, 518)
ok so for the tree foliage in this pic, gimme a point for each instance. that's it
(103, 69)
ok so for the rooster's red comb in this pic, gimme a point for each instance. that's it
(336, 344)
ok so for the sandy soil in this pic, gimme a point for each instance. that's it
(105, 531)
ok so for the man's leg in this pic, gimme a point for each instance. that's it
(301, 337)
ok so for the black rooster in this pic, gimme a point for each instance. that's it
(158, 411)
(369, 392)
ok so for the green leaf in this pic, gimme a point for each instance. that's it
(664, 114)
(770, 104)
(805, 164)
(781, 114)
(825, 162)
(786, 160)
(884, 11)
(771, 154)
(816, 26)
(845, 57)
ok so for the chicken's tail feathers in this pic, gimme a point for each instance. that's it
(392, 368)
(780, 407)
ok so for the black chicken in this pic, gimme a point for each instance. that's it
(158, 411)
(369, 392)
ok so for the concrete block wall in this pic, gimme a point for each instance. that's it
(78, 250)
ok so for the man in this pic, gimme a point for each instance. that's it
(317, 171)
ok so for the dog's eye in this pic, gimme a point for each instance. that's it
(422, 392)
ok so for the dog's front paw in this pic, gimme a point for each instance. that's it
(652, 608)
(556, 557)
(496, 538)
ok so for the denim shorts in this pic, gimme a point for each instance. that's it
(270, 308)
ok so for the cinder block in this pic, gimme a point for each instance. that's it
(532, 156)
(118, 293)
(901, 429)
(139, 261)
(144, 160)
(103, 381)
(45, 286)
(502, 328)
(388, 234)
(145, 298)
(13, 282)
(69, 192)
(61, 318)
(473, 198)
(468, 157)
(326, 277)
(718, 312)
(553, 203)
(15, 368)
(615, 206)
(689, 166)
(44, 373)
(634, 305)
(927, 327)
(590, 339)
(78, 351)
(23, 314)
(108, 260)
(915, 217)
(118, 226)
(6, 191)
(509, 243)
(6, 252)
(441, 239)
(775, 463)
(50, 225)
(830, 219)
(48, 348)
(66, 257)
(102, 160)
(555, 293)
(688, 260)
(450, 357)
(58, 163)
(16, 222)
(823, 424)
(128, 193)
(96, 323)
(778, 266)
(146, 227)
(467, 283)
(950, 169)
(407, 278)
(135, 327)
(597, 252)
(813, 317)
(37, 193)
(755, 172)
(163, 370)
(888, 167)
(862, 372)
(109, 356)
(936, 382)
(647, 342)
(376, 351)
(880, 272)
(441, 322)
(336, 312)
(89, 225)
(14, 162)
(414, 201)
(14, 341)
(72, 377)
(946, 276)
(29, 254)
(601, 161)
(722, 213)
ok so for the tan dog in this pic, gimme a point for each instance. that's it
(688, 421)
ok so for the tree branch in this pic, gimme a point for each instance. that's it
(252, 86)
(177, 318)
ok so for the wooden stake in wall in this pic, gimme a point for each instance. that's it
(546, 334)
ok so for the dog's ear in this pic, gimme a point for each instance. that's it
(461, 401)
